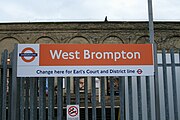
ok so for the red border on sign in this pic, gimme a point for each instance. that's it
(76, 113)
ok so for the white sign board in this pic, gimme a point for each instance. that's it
(61, 60)
(73, 112)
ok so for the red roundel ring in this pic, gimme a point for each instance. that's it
(73, 111)
(32, 58)
(139, 71)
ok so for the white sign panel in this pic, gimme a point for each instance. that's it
(73, 112)
(54, 60)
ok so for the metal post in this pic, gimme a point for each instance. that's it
(14, 84)
(76, 79)
(173, 69)
(151, 26)
(4, 85)
(156, 85)
(122, 97)
(42, 99)
(68, 91)
(112, 98)
(140, 116)
(21, 98)
(32, 99)
(50, 98)
(86, 97)
(27, 87)
(130, 95)
(60, 98)
(103, 109)
(165, 84)
(151, 39)
(93, 99)
(10, 91)
(18, 99)
(148, 92)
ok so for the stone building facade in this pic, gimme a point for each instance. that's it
(167, 34)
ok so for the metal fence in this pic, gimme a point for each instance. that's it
(123, 98)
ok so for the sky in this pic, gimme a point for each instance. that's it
(87, 10)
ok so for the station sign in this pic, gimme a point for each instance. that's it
(56, 60)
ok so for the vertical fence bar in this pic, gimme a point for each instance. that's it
(27, 99)
(86, 97)
(60, 99)
(174, 84)
(1, 89)
(148, 95)
(36, 99)
(165, 84)
(4, 84)
(156, 84)
(33, 99)
(10, 93)
(102, 98)
(68, 91)
(21, 98)
(179, 63)
(18, 99)
(93, 99)
(130, 98)
(76, 79)
(1, 83)
(14, 84)
(50, 98)
(112, 98)
(42, 98)
(139, 97)
(103, 109)
(122, 97)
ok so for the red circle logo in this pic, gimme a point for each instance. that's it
(28, 56)
(139, 71)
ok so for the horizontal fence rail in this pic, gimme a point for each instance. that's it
(99, 98)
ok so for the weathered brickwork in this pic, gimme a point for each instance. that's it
(167, 34)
